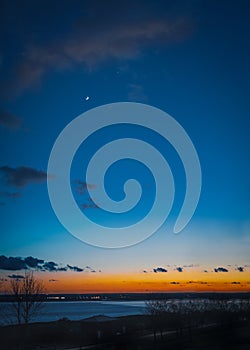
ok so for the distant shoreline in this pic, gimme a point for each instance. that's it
(60, 297)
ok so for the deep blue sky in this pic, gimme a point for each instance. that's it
(188, 58)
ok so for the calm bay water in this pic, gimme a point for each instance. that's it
(76, 310)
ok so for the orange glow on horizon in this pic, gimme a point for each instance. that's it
(189, 281)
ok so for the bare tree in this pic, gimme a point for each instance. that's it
(28, 295)
(5, 312)
(157, 310)
(16, 290)
(1, 309)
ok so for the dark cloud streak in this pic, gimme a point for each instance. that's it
(220, 269)
(17, 263)
(179, 269)
(8, 194)
(75, 268)
(10, 121)
(22, 176)
(240, 269)
(16, 276)
(160, 269)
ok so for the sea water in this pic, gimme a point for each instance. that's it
(75, 310)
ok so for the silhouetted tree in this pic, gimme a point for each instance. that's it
(28, 297)
(157, 310)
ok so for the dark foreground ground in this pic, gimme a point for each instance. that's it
(131, 333)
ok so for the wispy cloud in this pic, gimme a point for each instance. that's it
(10, 121)
(136, 93)
(8, 194)
(75, 268)
(108, 37)
(82, 187)
(90, 269)
(89, 205)
(22, 176)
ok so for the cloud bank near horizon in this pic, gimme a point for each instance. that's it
(30, 263)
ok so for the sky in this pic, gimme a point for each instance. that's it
(190, 59)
